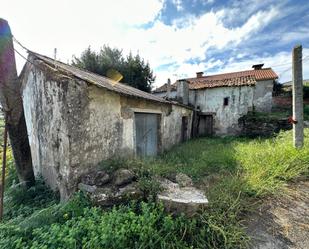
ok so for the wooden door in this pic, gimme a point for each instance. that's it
(184, 129)
(146, 134)
(205, 125)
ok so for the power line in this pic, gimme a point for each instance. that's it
(289, 68)
(21, 55)
(290, 63)
(15, 40)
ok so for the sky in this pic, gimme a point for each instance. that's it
(177, 37)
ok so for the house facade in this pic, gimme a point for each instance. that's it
(76, 119)
(220, 100)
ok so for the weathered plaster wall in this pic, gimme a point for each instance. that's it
(172, 126)
(171, 119)
(262, 99)
(73, 126)
(241, 100)
(225, 117)
(52, 107)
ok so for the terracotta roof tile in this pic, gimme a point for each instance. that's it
(242, 78)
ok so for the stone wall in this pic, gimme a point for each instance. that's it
(262, 127)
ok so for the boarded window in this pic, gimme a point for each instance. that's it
(146, 134)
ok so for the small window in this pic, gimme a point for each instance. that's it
(226, 101)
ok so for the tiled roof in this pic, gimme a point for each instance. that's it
(243, 78)
(98, 80)
(163, 88)
(212, 83)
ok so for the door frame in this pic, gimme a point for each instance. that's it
(159, 131)
(210, 114)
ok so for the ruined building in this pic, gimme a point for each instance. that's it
(76, 119)
(220, 100)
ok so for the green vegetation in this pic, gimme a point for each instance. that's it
(111, 62)
(306, 90)
(306, 112)
(234, 172)
(270, 116)
(282, 112)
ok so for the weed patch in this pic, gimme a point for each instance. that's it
(234, 172)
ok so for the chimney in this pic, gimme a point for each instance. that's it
(183, 92)
(168, 89)
(257, 66)
(199, 74)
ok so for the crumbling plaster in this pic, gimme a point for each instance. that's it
(225, 117)
(73, 126)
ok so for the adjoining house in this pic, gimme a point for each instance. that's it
(75, 119)
(220, 100)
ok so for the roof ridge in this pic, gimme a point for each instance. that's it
(220, 74)
(99, 80)
(83, 69)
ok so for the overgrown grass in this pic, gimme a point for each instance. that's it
(264, 164)
(234, 172)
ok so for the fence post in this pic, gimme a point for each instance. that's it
(298, 108)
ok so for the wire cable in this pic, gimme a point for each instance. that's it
(15, 40)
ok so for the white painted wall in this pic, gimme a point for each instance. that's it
(225, 117)
(241, 100)
(263, 100)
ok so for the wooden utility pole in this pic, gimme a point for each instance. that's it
(298, 108)
(12, 105)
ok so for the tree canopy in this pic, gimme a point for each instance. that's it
(135, 71)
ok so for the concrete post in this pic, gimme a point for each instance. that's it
(298, 108)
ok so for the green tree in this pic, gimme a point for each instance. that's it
(135, 71)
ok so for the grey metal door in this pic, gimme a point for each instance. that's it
(146, 134)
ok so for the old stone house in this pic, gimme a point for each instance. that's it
(220, 100)
(76, 119)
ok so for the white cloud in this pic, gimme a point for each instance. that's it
(71, 26)
(191, 37)
(178, 4)
(280, 62)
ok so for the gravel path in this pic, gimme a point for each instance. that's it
(283, 222)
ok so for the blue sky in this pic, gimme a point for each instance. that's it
(177, 37)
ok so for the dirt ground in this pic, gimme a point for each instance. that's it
(282, 222)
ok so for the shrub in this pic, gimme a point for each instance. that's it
(135, 226)
(20, 201)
